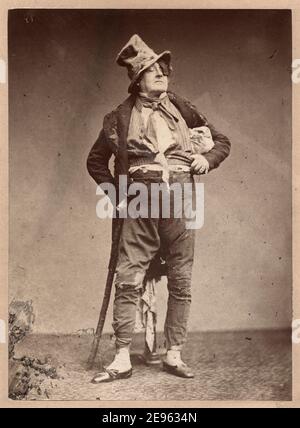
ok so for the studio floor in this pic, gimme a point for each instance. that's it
(251, 365)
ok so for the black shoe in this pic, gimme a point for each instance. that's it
(181, 370)
(109, 375)
(150, 358)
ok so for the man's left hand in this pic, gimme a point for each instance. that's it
(199, 165)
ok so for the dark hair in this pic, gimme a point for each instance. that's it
(135, 89)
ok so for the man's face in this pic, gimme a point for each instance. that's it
(153, 82)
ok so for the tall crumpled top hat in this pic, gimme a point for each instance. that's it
(137, 57)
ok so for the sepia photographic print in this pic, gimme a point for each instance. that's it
(150, 192)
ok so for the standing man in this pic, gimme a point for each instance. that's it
(150, 136)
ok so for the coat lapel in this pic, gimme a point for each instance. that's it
(188, 111)
(123, 114)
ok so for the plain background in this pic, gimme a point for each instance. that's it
(235, 66)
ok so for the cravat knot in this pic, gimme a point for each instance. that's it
(155, 105)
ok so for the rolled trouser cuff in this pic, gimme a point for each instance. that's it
(175, 348)
(123, 342)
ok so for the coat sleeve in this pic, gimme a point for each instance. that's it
(221, 149)
(98, 160)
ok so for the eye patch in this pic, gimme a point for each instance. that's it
(165, 68)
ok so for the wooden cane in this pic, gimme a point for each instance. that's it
(106, 297)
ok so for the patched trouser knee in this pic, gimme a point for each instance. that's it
(127, 289)
(138, 245)
(179, 248)
(179, 302)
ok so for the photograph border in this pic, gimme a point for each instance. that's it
(4, 214)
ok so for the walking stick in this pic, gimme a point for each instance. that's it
(107, 293)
